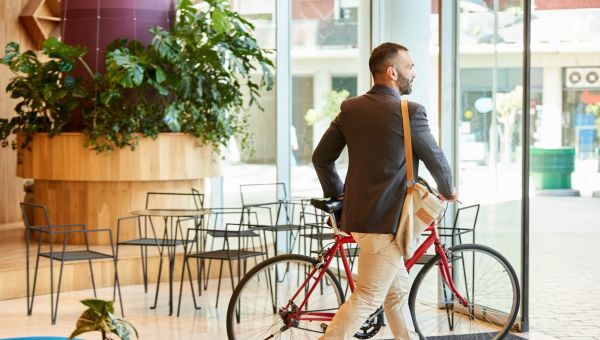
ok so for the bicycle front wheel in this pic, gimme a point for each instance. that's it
(480, 275)
(261, 304)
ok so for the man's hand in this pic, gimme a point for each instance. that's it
(453, 197)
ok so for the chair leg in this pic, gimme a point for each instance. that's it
(192, 286)
(55, 314)
(52, 318)
(199, 274)
(185, 261)
(158, 281)
(219, 285)
(204, 276)
(271, 283)
(117, 288)
(144, 258)
(231, 272)
(208, 272)
(30, 304)
(212, 245)
(92, 275)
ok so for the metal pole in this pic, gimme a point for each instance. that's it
(284, 97)
(525, 174)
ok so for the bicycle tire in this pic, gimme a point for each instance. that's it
(250, 285)
(436, 311)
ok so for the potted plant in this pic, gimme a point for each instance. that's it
(190, 79)
(99, 317)
(193, 82)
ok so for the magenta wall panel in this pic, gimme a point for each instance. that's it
(95, 23)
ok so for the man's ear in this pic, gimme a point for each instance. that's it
(391, 72)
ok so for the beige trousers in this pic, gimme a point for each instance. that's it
(382, 279)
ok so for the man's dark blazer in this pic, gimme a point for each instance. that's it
(375, 186)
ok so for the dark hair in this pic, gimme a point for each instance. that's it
(383, 55)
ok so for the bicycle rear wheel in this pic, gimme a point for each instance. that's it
(484, 278)
(256, 309)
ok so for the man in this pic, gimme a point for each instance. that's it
(375, 188)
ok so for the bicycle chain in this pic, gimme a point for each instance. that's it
(310, 330)
(316, 310)
(320, 310)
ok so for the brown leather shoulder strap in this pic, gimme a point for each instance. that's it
(407, 144)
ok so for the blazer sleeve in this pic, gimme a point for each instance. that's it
(426, 149)
(328, 150)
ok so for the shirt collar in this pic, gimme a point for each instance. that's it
(385, 90)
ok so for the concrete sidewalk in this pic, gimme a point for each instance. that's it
(564, 267)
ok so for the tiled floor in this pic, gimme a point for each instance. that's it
(564, 293)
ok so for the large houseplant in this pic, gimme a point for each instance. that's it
(196, 77)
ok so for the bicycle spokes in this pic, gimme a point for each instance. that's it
(482, 278)
(300, 309)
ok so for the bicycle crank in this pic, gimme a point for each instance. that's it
(371, 326)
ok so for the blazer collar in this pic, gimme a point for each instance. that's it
(385, 90)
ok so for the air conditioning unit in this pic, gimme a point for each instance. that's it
(582, 77)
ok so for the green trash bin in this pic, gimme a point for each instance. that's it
(552, 168)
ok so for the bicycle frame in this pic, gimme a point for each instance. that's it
(338, 246)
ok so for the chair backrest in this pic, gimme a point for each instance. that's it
(262, 193)
(198, 199)
(35, 215)
(466, 218)
(174, 200)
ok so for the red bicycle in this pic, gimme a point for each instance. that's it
(464, 289)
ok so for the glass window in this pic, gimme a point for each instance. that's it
(324, 72)
(259, 167)
(490, 119)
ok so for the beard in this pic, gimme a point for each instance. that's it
(404, 85)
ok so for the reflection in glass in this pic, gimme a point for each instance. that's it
(324, 72)
(258, 167)
(490, 119)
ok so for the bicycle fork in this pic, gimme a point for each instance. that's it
(445, 272)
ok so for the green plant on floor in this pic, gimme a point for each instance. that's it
(99, 317)
(199, 77)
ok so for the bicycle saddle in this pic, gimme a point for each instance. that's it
(329, 205)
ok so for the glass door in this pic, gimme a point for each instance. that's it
(490, 120)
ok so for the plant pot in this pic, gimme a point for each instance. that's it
(80, 186)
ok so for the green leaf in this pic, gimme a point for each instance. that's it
(116, 44)
(90, 321)
(160, 75)
(220, 23)
(69, 80)
(12, 52)
(172, 117)
(99, 306)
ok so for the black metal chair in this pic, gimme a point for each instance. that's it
(58, 235)
(219, 217)
(144, 234)
(197, 250)
(268, 208)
